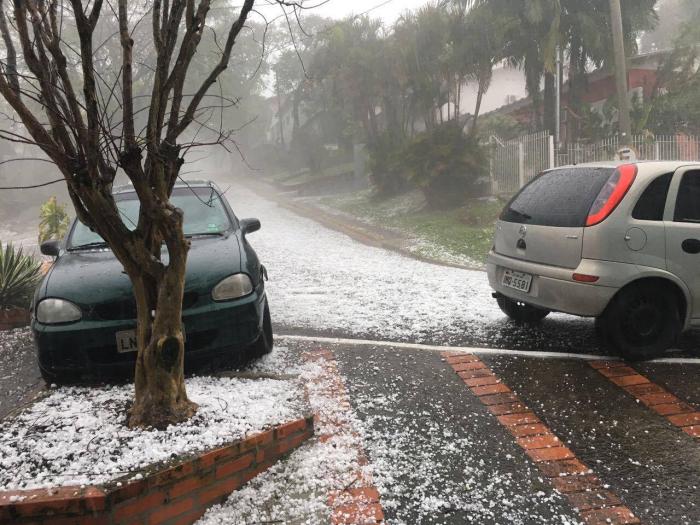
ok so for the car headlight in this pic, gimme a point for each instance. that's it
(56, 311)
(233, 287)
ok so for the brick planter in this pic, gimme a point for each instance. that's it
(178, 494)
(13, 318)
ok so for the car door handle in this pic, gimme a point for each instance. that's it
(691, 246)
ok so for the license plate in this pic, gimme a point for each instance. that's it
(517, 280)
(126, 341)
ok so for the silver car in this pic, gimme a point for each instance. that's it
(618, 242)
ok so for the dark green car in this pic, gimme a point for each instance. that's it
(83, 312)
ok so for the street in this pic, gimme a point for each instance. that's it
(438, 448)
(438, 454)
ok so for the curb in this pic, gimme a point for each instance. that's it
(178, 494)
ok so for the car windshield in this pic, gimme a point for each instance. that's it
(204, 214)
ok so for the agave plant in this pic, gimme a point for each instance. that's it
(19, 275)
(54, 220)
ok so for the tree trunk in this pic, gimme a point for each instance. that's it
(477, 110)
(573, 95)
(373, 126)
(160, 397)
(279, 112)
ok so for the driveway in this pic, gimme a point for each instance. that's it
(441, 453)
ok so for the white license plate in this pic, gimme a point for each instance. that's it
(517, 280)
(126, 341)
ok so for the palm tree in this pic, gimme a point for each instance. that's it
(581, 27)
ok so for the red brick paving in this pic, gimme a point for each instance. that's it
(595, 504)
(359, 503)
(677, 412)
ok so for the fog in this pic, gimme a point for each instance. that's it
(346, 102)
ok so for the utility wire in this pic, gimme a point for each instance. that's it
(31, 187)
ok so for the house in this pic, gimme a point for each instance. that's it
(643, 79)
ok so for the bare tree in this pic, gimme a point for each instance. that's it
(87, 125)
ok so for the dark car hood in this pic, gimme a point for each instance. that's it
(96, 276)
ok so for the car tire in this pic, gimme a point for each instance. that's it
(265, 342)
(521, 312)
(642, 322)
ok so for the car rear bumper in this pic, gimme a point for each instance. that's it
(89, 347)
(552, 288)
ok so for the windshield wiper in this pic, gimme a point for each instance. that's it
(205, 234)
(96, 244)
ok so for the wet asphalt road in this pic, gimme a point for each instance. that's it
(561, 334)
(441, 456)
(651, 465)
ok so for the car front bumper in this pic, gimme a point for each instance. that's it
(552, 288)
(89, 346)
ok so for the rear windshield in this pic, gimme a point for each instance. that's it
(561, 197)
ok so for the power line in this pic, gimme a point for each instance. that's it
(356, 16)
(31, 187)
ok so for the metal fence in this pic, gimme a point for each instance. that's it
(516, 162)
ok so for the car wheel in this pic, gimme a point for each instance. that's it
(521, 312)
(642, 322)
(265, 342)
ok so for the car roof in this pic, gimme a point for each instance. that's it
(652, 165)
(196, 183)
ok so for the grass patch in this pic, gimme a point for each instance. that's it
(304, 175)
(462, 234)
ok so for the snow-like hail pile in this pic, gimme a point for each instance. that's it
(297, 489)
(78, 435)
(323, 280)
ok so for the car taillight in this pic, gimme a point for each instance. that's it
(583, 278)
(612, 193)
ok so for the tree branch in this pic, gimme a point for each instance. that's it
(236, 28)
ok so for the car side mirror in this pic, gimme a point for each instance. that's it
(51, 248)
(250, 225)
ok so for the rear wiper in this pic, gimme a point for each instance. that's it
(97, 244)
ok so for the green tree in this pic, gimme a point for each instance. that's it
(481, 46)
(445, 164)
(677, 109)
(673, 16)
(53, 220)
(580, 27)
